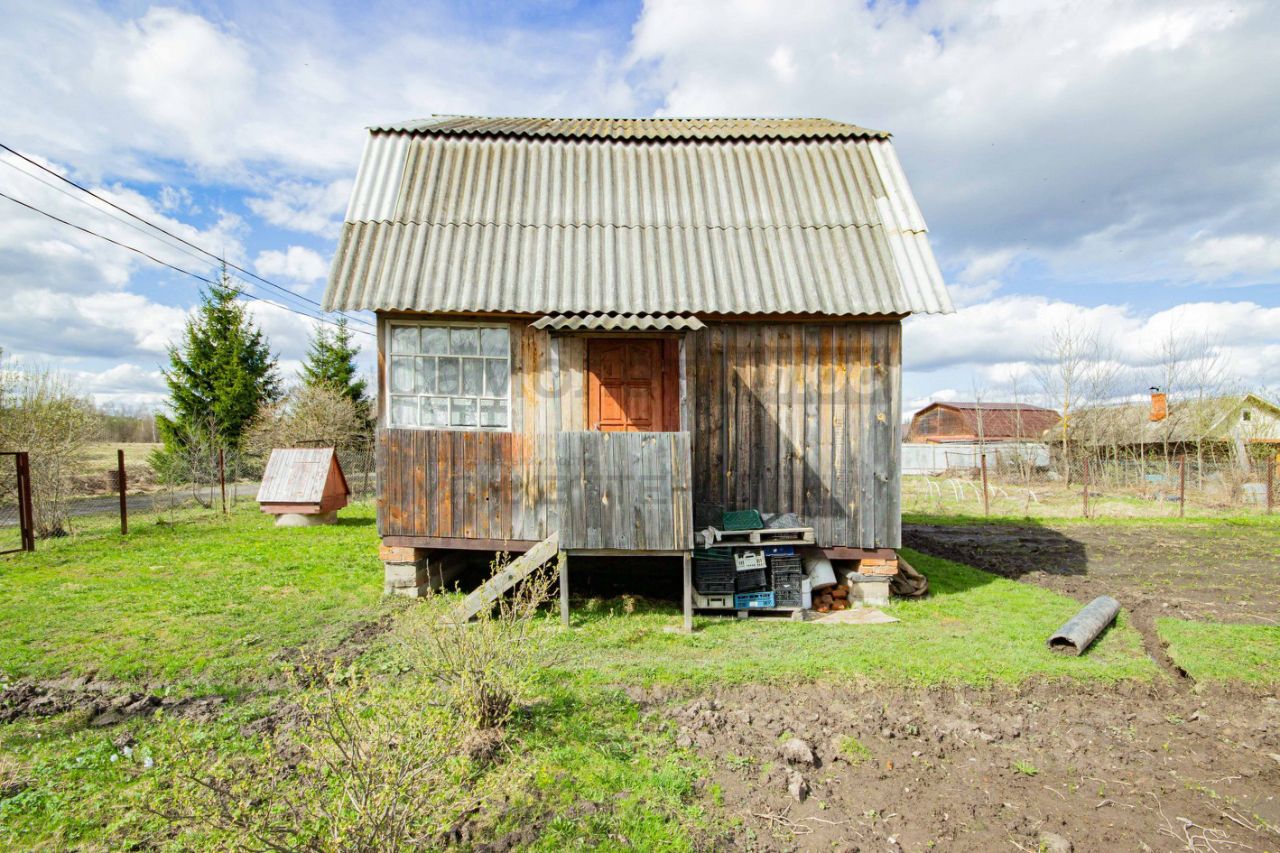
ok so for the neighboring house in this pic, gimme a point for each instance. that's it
(1220, 428)
(980, 422)
(588, 327)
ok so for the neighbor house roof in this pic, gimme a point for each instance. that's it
(996, 420)
(633, 216)
(1188, 420)
(298, 475)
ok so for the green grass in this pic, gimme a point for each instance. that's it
(204, 604)
(209, 604)
(1211, 651)
(975, 628)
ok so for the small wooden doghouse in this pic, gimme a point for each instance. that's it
(303, 486)
(593, 331)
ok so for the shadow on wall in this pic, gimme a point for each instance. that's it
(785, 420)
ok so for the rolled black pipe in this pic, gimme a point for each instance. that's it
(1083, 628)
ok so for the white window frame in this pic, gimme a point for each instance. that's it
(391, 325)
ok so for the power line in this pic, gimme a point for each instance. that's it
(182, 240)
(177, 248)
(173, 267)
(80, 199)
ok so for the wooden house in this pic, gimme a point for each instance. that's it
(600, 329)
(967, 423)
(303, 486)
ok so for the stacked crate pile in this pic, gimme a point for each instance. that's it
(714, 577)
(785, 575)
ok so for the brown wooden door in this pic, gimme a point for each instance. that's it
(626, 385)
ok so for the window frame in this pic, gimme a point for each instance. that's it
(389, 327)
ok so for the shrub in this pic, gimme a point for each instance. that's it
(484, 666)
(41, 412)
(352, 766)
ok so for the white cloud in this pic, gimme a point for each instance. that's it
(1096, 139)
(297, 264)
(997, 342)
(108, 324)
(1238, 254)
(38, 252)
(123, 384)
(306, 207)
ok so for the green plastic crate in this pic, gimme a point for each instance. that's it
(742, 519)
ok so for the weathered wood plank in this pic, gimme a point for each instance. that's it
(519, 569)
(625, 490)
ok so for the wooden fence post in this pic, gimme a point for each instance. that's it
(1182, 486)
(1086, 487)
(222, 480)
(123, 485)
(986, 498)
(1271, 482)
(26, 513)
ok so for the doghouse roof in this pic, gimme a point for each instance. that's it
(299, 475)
(633, 216)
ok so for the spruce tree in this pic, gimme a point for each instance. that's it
(219, 375)
(331, 361)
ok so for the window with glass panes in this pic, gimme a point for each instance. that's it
(450, 376)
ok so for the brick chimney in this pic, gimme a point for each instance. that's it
(1159, 405)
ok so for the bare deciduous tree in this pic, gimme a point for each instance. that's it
(309, 416)
(43, 413)
(1067, 371)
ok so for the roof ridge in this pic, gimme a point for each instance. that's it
(635, 129)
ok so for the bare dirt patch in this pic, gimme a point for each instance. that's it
(1097, 767)
(103, 702)
(1193, 571)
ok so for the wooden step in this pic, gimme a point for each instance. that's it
(519, 569)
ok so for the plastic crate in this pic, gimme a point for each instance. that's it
(713, 554)
(789, 598)
(752, 580)
(713, 602)
(742, 519)
(753, 600)
(780, 551)
(749, 559)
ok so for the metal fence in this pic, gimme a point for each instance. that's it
(987, 481)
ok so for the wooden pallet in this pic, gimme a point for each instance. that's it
(713, 537)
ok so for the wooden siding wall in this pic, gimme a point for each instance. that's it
(627, 490)
(763, 435)
(430, 485)
(801, 417)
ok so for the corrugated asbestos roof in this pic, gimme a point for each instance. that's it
(617, 322)
(559, 221)
(635, 128)
(296, 475)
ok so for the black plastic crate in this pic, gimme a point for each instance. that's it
(715, 587)
(787, 598)
(752, 580)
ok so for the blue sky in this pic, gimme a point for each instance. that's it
(1113, 165)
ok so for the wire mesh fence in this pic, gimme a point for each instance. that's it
(1096, 486)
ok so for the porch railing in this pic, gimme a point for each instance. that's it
(624, 490)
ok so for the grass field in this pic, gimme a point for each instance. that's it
(212, 606)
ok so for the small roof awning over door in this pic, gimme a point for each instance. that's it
(618, 322)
